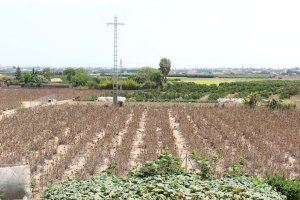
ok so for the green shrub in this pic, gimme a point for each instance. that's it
(80, 78)
(149, 78)
(274, 104)
(290, 188)
(288, 105)
(105, 84)
(92, 84)
(252, 99)
(204, 164)
(265, 93)
(281, 104)
(129, 84)
(236, 169)
(284, 95)
(289, 90)
(36, 80)
(216, 96)
(165, 164)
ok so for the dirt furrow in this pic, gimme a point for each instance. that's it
(116, 142)
(180, 141)
(138, 142)
(102, 156)
(122, 154)
(152, 144)
(166, 137)
(79, 162)
(90, 142)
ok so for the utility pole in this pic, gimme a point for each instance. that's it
(115, 69)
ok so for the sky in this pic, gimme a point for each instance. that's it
(191, 33)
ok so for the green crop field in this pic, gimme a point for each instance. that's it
(210, 81)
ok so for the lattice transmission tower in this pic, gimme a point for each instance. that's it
(115, 77)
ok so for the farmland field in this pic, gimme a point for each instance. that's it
(218, 80)
(12, 98)
(79, 141)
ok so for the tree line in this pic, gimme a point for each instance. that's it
(145, 78)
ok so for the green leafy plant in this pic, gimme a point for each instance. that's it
(252, 99)
(166, 163)
(236, 169)
(204, 164)
(163, 178)
(286, 104)
(290, 188)
(289, 90)
(111, 167)
(275, 104)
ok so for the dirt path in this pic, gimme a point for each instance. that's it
(180, 142)
(32, 104)
(7, 113)
(138, 141)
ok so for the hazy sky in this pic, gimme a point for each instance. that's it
(202, 33)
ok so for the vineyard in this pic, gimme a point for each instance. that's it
(79, 141)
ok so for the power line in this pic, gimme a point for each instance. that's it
(115, 69)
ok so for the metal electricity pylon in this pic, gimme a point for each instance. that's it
(115, 76)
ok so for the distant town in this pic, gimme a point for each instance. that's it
(173, 72)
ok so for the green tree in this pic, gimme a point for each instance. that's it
(36, 80)
(69, 72)
(33, 79)
(164, 67)
(25, 77)
(47, 73)
(18, 74)
(149, 77)
(80, 78)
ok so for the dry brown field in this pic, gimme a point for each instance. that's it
(68, 141)
(12, 98)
